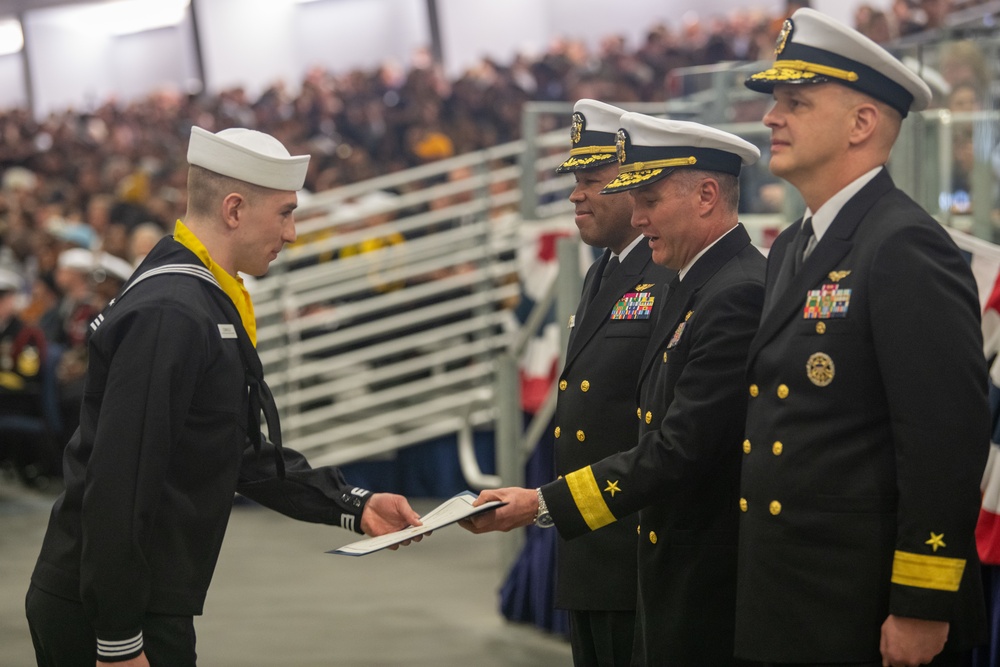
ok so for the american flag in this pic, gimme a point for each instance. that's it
(985, 261)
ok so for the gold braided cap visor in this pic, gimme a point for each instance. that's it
(787, 70)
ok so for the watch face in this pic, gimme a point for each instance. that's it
(545, 520)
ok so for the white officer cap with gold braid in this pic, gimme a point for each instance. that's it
(650, 149)
(249, 156)
(814, 48)
(593, 136)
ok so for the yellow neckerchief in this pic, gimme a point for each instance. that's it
(233, 287)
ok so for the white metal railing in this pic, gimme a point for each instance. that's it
(379, 327)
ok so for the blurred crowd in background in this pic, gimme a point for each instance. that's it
(85, 194)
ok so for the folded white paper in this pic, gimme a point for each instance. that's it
(454, 509)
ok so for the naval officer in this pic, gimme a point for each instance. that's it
(683, 471)
(595, 412)
(868, 426)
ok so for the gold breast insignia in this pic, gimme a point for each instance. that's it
(837, 276)
(820, 369)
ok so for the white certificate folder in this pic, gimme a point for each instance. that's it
(454, 509)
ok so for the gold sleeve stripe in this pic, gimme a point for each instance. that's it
(587, 496)
(587, 150)
(920, 571)
(815, 68)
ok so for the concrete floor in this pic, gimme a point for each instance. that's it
(277, 598)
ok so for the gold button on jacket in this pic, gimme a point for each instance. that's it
(775, 507)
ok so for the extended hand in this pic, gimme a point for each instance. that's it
(520, 510)
(387, 513)
(909, 642)
(138, 661)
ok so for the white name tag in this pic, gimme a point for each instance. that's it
(227, 331)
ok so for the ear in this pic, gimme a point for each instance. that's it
(233, 207)
(708, 195)
(864, 121)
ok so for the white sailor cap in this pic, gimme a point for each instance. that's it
(9, 281)
(592, 135)
(650, 149)
(76, 258)
(113, 266)
(814, 48)
(248, 155)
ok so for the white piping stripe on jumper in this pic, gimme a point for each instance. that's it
(347, 522)
(188, 269)
(121, 647)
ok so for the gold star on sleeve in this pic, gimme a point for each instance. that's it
(612, 487)
(937, 540)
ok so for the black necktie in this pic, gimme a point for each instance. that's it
(673, 284)
(611, 265)
(802, 243)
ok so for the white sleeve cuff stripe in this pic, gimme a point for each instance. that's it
(121, 647)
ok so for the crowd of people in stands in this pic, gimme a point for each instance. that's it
(84, 195)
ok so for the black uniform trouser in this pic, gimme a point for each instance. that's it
(63, 637)
(601, 638)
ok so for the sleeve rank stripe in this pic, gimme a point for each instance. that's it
(922, 571)
(587, 496)
(113, 649)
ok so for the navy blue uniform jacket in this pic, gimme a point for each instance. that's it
(595, 417)
(867, 434)
(161, 449)
(684, 472)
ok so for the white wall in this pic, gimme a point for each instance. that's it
(257, 42)
(75, 65)
(345, 34)
(472, 29)
(246, 42)
(13, 92)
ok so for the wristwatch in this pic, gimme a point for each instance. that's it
(542, 517)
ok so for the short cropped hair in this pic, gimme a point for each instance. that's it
(207, 188)
(729, 185)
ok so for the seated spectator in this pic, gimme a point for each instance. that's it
(108, 277)
(27, 434)
(75, 311)
(142, 239)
